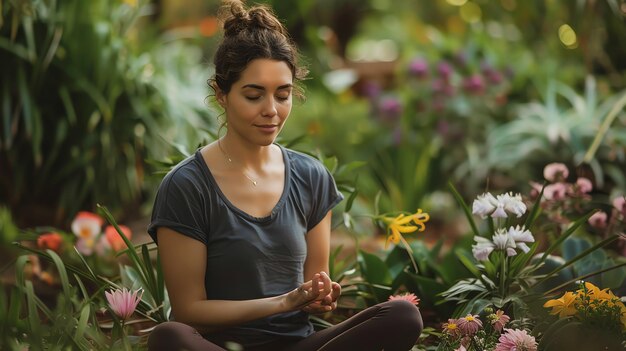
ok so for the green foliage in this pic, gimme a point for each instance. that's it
(82, 105)
(28, 321)
(563, 127)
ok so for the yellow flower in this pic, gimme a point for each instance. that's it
(564, 306)
(132, 3)
(402, 225)
(596, 294)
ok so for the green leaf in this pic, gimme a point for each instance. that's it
(466, 210)
(572, 228)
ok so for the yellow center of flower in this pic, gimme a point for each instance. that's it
(452, 326)
(469, 318)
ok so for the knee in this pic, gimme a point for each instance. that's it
(404, 315)
(169, 336)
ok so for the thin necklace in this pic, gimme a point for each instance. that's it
(230, 160)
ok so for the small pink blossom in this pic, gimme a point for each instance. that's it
(410, 297)
(555, 172)
(584, 185)
(499, 320)
(598, 220)
(556, 191)
(620, 204)
(516, 340)
(87, 246)
(470, 324)
(123, 302)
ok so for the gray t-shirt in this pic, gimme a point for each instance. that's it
(249, 257)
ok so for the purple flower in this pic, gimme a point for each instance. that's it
(474, 84)
(418, 67)
(445, 70)
(390, 109)
(371, 89)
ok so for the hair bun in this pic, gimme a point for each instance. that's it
(237, 19)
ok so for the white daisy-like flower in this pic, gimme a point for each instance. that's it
(520, 237)
(482, 248)
(512, 203)
(484, 205)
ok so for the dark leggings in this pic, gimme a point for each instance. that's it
(392, 326)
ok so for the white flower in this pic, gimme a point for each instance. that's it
(503, 241)
(484, 205)
(512, 203)
(520, 237)
(482, 248)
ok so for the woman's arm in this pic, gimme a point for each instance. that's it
(183, 261)
(318, 254)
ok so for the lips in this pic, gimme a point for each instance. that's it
(267, 128)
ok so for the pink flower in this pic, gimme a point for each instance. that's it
(584, 185)
(87, 225)
(114, 238)
(470, 324)
(516, 340)
(452, 327)
(50, 241)
(620, 204)
(499, 319)
(598, 220)
(123, 302)
(555, 172)
(410, 297)
(556, 191)
(87, 246)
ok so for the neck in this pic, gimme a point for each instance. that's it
(247, 155)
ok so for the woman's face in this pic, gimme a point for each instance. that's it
(259, 103)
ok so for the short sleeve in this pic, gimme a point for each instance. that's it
(179, 206)
(325, 195)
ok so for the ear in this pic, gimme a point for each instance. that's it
(220, 97)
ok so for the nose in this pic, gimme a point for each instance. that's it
(269, 108)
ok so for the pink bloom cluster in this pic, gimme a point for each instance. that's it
(466, 333)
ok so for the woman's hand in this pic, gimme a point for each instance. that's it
(309, 292)
(327, 303)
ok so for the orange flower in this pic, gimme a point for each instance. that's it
(563, 306)
(50, 241)
(114, 238)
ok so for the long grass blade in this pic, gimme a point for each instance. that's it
(466, 209)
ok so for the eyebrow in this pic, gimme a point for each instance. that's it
(259, 87)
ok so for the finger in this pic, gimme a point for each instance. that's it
(327, 283)
(336, 291)
(315, 286)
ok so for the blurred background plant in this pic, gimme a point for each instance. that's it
(85, 99)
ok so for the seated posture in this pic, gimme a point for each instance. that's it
(243, 225)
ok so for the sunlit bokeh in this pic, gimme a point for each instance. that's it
(568, 36)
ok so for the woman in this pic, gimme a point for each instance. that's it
(243, 225)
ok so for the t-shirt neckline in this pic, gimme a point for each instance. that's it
(236, 209)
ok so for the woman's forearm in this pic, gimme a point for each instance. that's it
(210, 315)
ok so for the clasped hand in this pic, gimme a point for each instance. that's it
(318, 295)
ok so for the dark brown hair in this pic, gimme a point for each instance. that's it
(252, 34)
